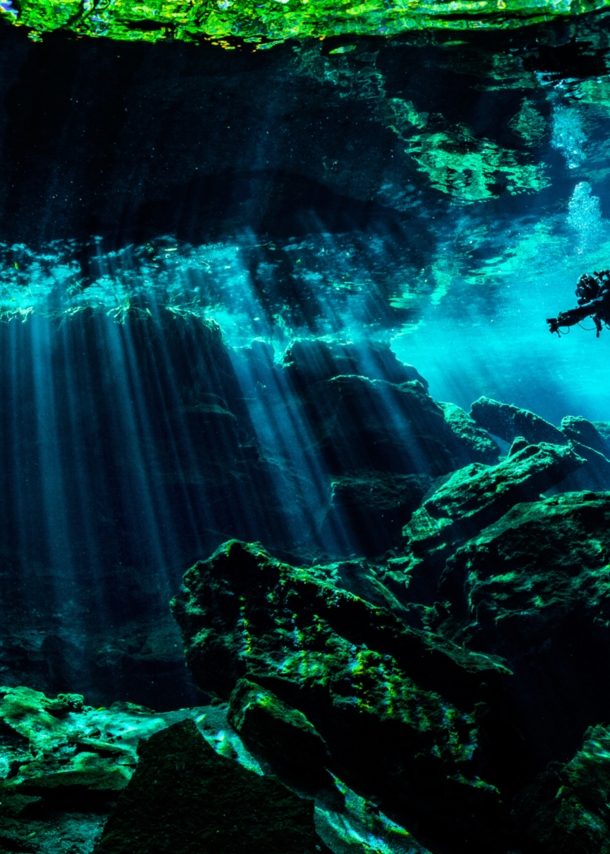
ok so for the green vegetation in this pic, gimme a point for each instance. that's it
(277, 20)
(472, 170)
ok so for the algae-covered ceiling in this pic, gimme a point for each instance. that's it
(428, 188)
(276, 20)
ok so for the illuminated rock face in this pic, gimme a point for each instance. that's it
(323, 679)
(396, 708)
(269, 22)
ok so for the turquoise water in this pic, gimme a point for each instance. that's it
(173, 219)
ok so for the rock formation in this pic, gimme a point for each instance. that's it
(319, 678)
(183, 798)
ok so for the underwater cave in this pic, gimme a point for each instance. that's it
(304, 427)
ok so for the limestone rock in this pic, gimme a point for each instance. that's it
(267, 723)
(482, 447)
(508, 422)
(566, 808)
(310, 361)
(184, 798)
(370, 508)
(603, 428)
(359, 423)
(534, 588)
(593, 475)
(395, 707)
(382, 583)
(578, 429)
(518, 444)
(476, 496)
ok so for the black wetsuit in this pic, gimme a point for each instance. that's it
(597, 308)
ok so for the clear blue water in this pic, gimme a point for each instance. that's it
(114, 478)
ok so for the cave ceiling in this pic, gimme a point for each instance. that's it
(345, 182)
(275, 21)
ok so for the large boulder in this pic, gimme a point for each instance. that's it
(281, 732)
(477, 495)
(578, 429)
(483, 449)
(508, 422)
(359, 423)
(603, 428)
(184, 798)
(369, 509)
(534, 588)
(593, 475)
(566, 808)
(311, 360)
(395, 708)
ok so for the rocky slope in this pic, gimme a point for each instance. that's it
(443, 685)
(446, 699)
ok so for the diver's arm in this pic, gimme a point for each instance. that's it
(573, 315)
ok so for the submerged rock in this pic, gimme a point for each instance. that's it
(396, 708)
(63, 764)
(578, 429)
(476, 496)
(603, 428)
(593, 475)
(310, 361)
(268, 724)
(359, 423)
(508, 422)
(482, 447)
(184, 798)
(518, 444)
(566, 808)
(534, 588)
(370, 508)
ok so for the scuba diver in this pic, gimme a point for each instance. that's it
(593, 294)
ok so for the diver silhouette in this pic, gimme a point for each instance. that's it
(593, 292)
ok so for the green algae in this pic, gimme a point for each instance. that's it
(529, 124)
(567, 572)
(266, 23)
(336, 659)
(471, 169)
(476, 496)
(567, 808)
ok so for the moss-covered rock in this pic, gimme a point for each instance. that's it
(535, 588)
(477, 495)
(508, 422)
(395, 707)
(267, 723)
(184, 798)
(566, 809)
(483, 448)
